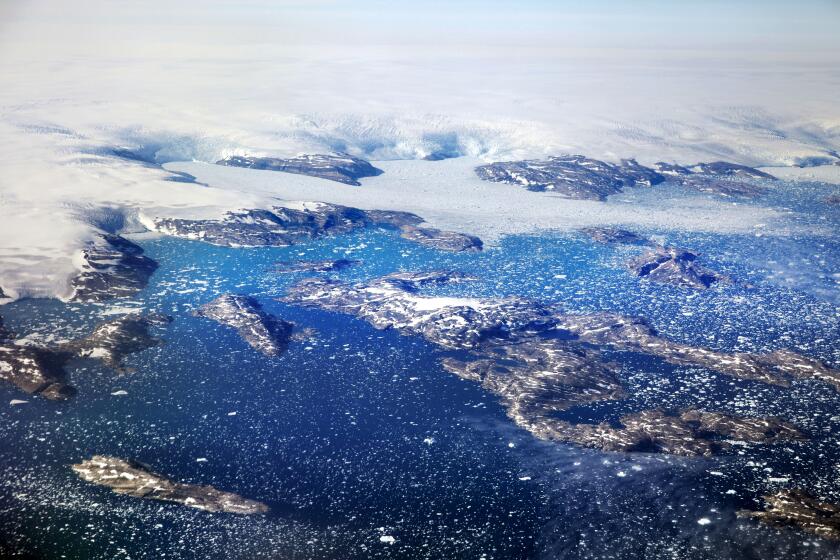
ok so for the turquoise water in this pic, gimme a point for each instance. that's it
(358, 434)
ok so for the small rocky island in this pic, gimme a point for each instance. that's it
(289, 267)
(138, 481)
(614, 236)
(798, 509)
(282, 226)
(665, 265)
(262, 331)
(671, 265)
(451, 241)
(40, 370)
(112, 267)
(339, 167)
(580, 177)
(540, 360)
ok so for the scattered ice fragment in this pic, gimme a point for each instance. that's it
(524, 478)
(119, 393)
(201, 460)
(387, 539)
(704, 521)
(429, 440)
(622, 474)
(232, 413)
(511, 444)
(15, 402)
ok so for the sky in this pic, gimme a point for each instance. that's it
(721, 25)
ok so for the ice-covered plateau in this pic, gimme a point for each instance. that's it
(540, 360)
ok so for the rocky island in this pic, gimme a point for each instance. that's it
(138, 481)
(40, 370)
(662, 264)
(264, 332)
(671, 265)
(111, 341)
(614, 236)
(282, 226)
(35, 371)
(288, 267)
(540, 360)
(798, 509)
(580, 177)
(339, 167)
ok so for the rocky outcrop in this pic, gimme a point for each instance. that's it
(691, 433)
(278, 227)
(666, 265)
(134, 479)
(580, 177)
(442, 240)
(33, 370)
(111, 267)
(614, 236)
(111, 341)
(283, 226)
(339, 167)
(540, 360)
(572, 176)
(798, 509)
(670, 265)
(288, 267)
(262, 331)
(634, 334)
(40, 369)
(726, 169)
(535, 378)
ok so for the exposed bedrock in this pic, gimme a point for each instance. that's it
(134, 479)
(112, 267)
(614, 236)
(573, 176)
(41, 369)
(580, 177)
(264, 332)
(112, 341)
(659, 263)
(442, 240)
(340, 167)
(283, 226)
(690, 433)
(798, 509)
(671, 265)
(540, 360)
(289, 267)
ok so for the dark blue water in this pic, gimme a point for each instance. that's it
(359, 434)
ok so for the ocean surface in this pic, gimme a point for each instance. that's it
(358, 435)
